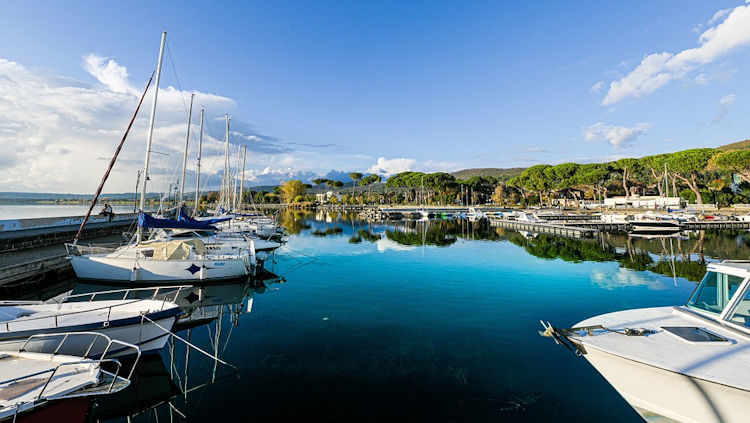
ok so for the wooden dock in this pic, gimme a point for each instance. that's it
(546, 228)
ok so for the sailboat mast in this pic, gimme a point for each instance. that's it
(227, 180)
(242, 181)
(198, 167)
(151, 130)
(184, 159)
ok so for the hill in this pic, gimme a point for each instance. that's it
(504, 173)
(740, 145)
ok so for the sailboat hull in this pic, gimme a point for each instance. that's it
(122, 269)
(656, 393)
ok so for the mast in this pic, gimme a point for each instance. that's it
(184, 159)
(242, 181)
(151, 131)
(227, 180)
(198, 167)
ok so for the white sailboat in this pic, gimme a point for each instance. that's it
(686, 363)
(149, 262)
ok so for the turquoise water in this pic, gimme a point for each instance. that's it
(395, 327)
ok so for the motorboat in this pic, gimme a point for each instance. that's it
(142, 322)
(527, 217)
(686, 363)
(475, 213)
(35, 374)
(654, 223)
(615, 218)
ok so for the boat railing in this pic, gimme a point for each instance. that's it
(167, 294)
(64, 337)
(79, 250)
(165, 298)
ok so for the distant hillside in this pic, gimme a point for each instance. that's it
(487, 171)
(740, 145)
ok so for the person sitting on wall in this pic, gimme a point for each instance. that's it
(110, 213)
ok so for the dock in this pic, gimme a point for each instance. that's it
(546, 228)
(34, 249)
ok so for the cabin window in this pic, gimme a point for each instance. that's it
(714, 292)
(741, 313)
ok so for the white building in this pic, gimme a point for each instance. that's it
(325, 197)
(643, 202)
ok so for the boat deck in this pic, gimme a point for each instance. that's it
(724, 363)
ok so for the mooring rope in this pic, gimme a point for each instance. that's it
(191, 345)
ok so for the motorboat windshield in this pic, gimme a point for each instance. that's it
(714, 292)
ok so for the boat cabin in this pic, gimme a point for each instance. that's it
(723, 295)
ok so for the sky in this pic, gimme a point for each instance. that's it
(325, 88)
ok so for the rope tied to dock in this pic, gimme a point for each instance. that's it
(213, 357)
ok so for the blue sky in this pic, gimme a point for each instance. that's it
(379, 86)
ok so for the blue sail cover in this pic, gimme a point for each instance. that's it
(182, 216)
(147, 221)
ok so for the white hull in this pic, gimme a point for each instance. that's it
(665, 393)
(128, 269)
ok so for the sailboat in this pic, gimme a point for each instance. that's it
(184, 260)
(687, 363)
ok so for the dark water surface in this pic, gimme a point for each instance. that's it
(415, 321)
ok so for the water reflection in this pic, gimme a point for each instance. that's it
(680, 255)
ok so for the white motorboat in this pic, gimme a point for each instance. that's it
(527, 217)
(145, 323)
(615, 218)
(653, 223)
(475, 213)
(686, 363)
(182, 260)
(34, 375)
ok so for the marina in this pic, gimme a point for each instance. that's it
(345, 212)
(407, 342)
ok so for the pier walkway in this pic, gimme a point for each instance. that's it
(35, 248)
(545, 228)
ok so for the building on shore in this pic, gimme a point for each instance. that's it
(326, 197)
(644, 202)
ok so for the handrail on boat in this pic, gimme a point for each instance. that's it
(102, 359)
(95, 337)
(127, 291)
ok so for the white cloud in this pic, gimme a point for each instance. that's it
(725, 106)
(389, 167)
(597, 87)
(658, 69)
(617, 136)
(58, 134)
(109, 73)
(727, 100)
(627, 278)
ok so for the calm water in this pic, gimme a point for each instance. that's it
(416, 322)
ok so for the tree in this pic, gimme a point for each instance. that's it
(291, 189)
(593, 175)
(736, 161)
(626, 167)
(355, 176)
(563, 178)
(687, 164)
(655, 165)
(319, 181)
(535, 179)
